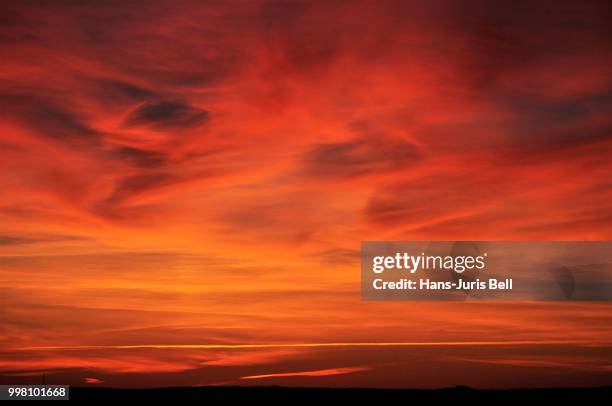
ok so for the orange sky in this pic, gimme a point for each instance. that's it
(186, 186)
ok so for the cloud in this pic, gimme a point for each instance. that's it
(141, 183)
(360, 156)
(237, 357)
(48, 119)
(259, 145)
(166, 115)
(115, 91)
(11, 240)
(584, 363)
(317, 373)
(434, 198)
(93, 381)
(140, 157)
(338, 256)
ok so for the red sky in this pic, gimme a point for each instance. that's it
(186, 186)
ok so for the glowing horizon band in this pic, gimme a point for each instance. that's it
(318, 345)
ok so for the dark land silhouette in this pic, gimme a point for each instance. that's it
(274, 393)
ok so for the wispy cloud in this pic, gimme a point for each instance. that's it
(317, 373)
(185, 184)
(93, 381)
(319, 345)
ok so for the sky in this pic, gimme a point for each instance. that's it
(186, 186)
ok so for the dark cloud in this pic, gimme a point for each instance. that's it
(497, 40)
(167, 114)
(554, 124)
(360, 156)
(140, 157)
(123, 204)
(119, 91)
(548, 112)
(136, 184)
(13, 240)
(48, 118)
(6, 240)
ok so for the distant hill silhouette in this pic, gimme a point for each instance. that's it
(274, 393)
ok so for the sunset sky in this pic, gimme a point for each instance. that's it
(186, 186)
